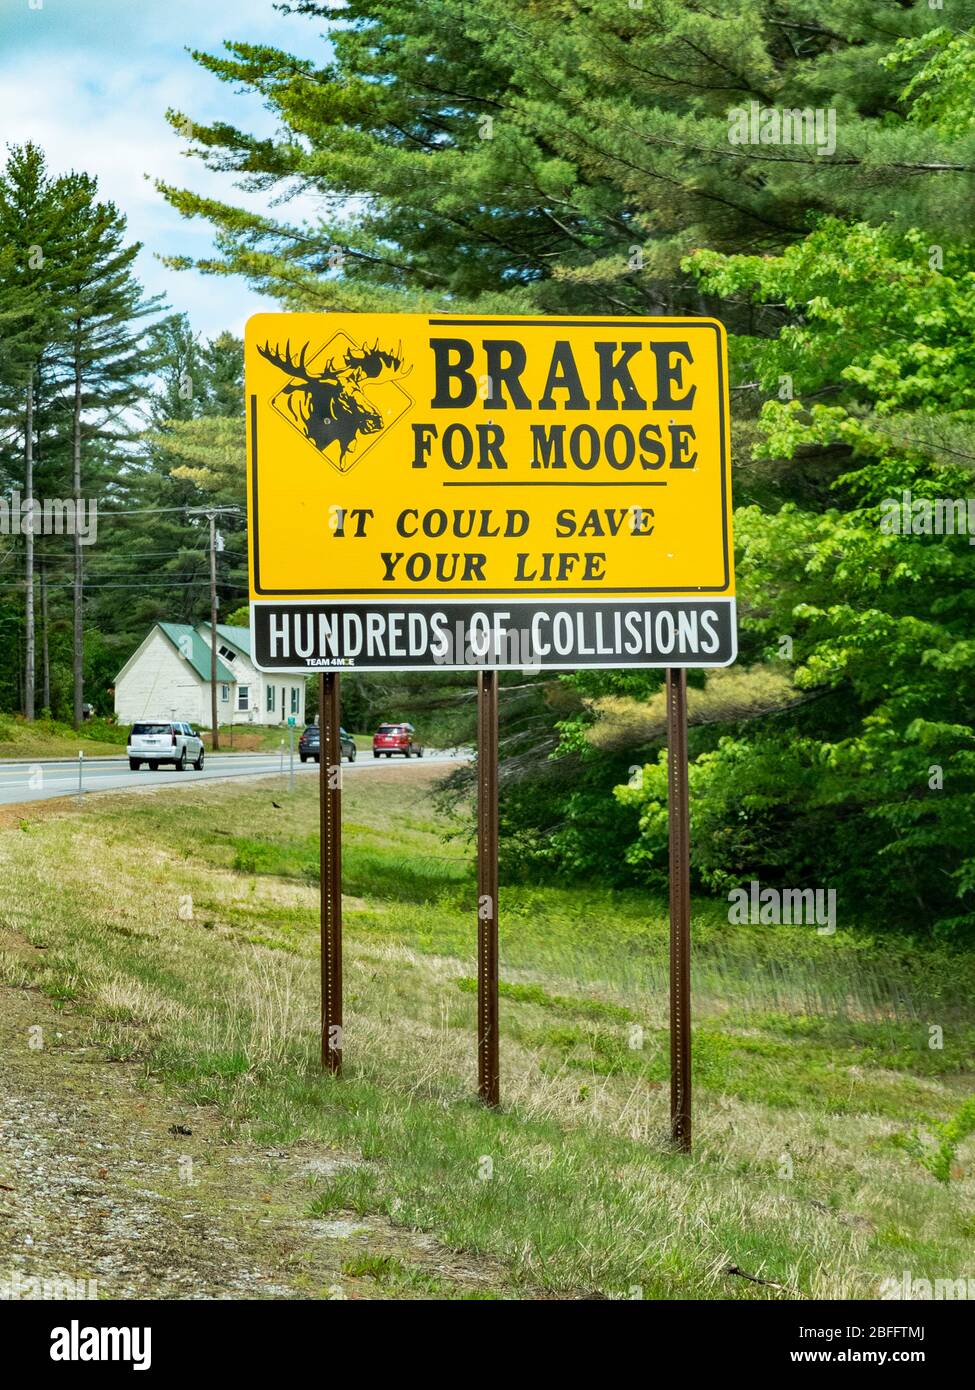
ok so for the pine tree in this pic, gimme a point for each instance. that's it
(70, 366)
(104, 365)
(566, 157)
(33, 212)
(153, 560)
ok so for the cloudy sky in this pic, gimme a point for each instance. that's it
(90, 81)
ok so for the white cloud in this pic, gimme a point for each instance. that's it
(91, 85)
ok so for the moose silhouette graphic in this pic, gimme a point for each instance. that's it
(330, 406)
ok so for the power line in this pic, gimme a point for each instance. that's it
(105, 566)
(131, 555)
(193, 508)
(165, 584)
(51, 562)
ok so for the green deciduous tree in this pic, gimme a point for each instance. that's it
(869, 785)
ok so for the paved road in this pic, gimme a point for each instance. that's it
(38, 781)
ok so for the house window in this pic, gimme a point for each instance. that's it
(227, 654)
(270, 697)
(243, 696)
(225, 692)
(294, 699)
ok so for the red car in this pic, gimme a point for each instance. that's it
(395, 738)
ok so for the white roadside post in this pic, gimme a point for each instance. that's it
(81, 764)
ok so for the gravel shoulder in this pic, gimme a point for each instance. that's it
(105, 1179)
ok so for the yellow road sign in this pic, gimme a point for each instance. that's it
(416, 462)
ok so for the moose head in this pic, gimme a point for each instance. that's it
(330, 406)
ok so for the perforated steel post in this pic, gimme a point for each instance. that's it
(680, 911)
(488, 1067)
(330, 868)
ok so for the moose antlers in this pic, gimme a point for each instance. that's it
(286, 363)
(370, 363)
(372, 360)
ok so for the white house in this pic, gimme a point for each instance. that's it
(168, 677)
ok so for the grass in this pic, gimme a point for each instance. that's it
(812, 1063)
(50, 738)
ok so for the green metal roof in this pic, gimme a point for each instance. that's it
(190, 644)
(239, 637)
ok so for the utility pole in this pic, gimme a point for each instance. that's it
(215, 744)
(211, 514)
(30, 657)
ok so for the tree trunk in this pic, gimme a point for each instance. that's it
(29, 634)
(45, 645)
(215, 742)
(78, 646)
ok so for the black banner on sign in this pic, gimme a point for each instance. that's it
(303, 637)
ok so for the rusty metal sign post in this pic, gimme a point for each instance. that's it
(488, 1066)
(678, 812)
(330, 867)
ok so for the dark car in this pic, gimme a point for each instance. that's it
(309, 745)
(396, 738)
